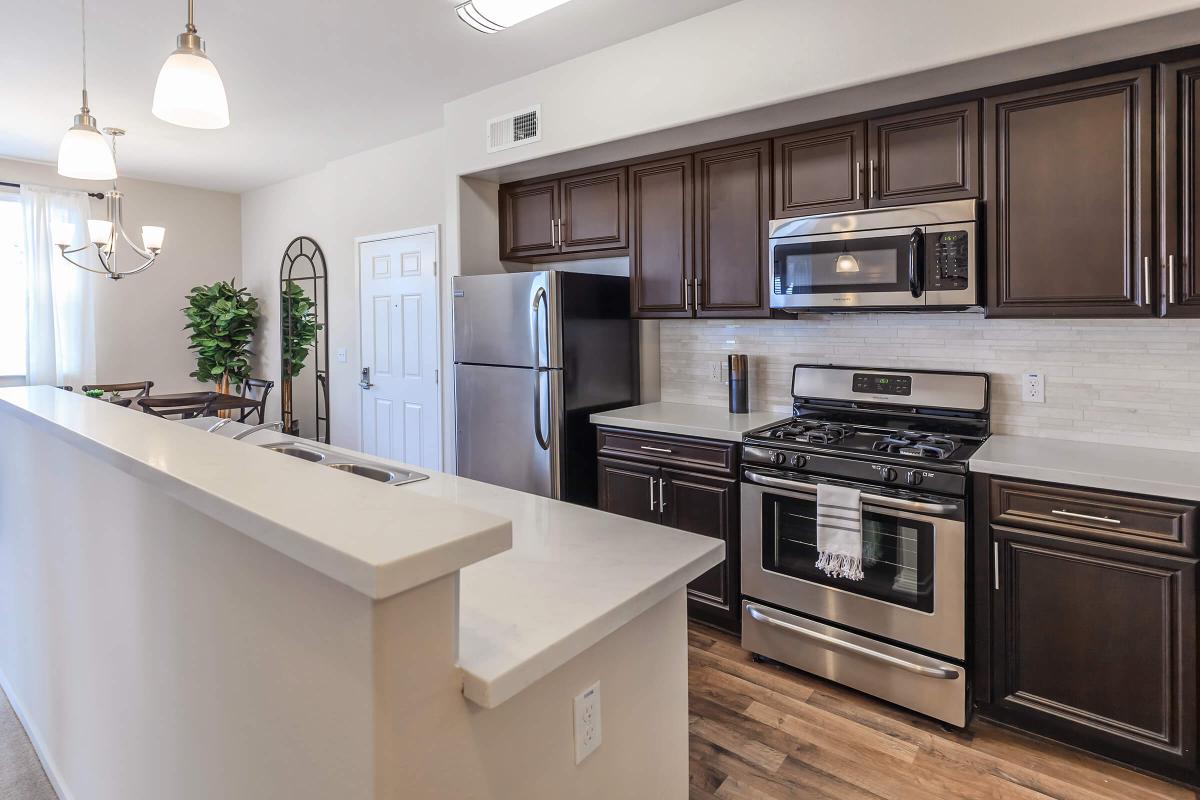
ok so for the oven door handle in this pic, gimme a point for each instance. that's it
(830, 643)
(872, 499)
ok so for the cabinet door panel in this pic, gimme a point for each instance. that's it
(630, 490)
(1179, 185)
(926, 156)
(733, 208)
(707, 506)
(660, 252)
(1069, 173)
(818, 172)
(594, 213)
(1095, 644)
(527, 219)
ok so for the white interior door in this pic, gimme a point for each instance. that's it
(399, 346)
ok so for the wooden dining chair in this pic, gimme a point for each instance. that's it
(256, 389)
(184, 406)
(141, 387)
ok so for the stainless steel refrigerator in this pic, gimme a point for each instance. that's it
(535, 354)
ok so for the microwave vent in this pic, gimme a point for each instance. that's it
(515, 129)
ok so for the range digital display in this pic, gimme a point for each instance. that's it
(867, 383)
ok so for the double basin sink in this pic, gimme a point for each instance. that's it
(389, 476)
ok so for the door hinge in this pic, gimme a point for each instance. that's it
(435, 376)
(435, 267)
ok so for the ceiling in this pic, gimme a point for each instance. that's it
(308, 80)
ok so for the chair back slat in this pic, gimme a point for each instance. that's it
(256, 389)
(186, 407)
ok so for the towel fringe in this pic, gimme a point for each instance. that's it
(841, 565)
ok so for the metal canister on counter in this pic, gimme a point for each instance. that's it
(739, 384)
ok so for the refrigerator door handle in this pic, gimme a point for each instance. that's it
(542, 441)
(535, 322)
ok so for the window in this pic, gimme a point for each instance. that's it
(12, 286)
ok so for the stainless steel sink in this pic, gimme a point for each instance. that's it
(364, 468)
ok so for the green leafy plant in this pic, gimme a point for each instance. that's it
(97, 393)
(300, 327)
(221, 319)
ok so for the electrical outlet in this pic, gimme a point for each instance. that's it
(720, 371)
(1033, 387)
(587, 722)
(341, 355)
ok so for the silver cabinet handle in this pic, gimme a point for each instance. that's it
(696, 292)
(871, 179)
(1171, 279)
(1062, 512)
(830, 643)
(687, 295)
(995, 565)
(873, 499)
(662, 495)
(560, 231)
(1146, 279)
(657, 449)
(652, 494)
(858, 180)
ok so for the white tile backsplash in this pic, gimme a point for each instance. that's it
(1133, 382)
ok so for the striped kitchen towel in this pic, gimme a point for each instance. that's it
(839, 532)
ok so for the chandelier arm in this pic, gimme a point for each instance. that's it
(139, 269)
(128, 241)
(68, 259)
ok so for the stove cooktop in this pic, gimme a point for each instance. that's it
(868, 440)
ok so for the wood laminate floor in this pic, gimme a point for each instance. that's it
(766, 732)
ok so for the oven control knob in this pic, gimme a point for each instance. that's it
(913, 478)
(888, 474)
(778, 458)
(798, 461)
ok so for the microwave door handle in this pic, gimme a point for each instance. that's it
(916, 262)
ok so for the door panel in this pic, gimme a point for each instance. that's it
(1095, 644)
(1179, 185)
(733, 209)
(819, 172)
(594, 212)
(707, 506)
(629, 489)
(527, 218)
(660, 252)
(496, 322)
(926, 156)
(496, 414)
(1069, 173)
(398, 307)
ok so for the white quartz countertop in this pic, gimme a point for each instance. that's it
(685, 419)
(1137, 470)
(573, 576)
(377, 539)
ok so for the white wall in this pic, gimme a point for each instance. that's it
(139, 325)
(398, 186)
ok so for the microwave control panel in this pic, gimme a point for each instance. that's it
(951, 261)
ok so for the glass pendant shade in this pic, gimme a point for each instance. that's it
(100, 231)
(84, 154)
(63, 232)
(492, 16)
(152, 237)
(189, 91)
(846, 263)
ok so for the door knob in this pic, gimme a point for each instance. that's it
(366, 378)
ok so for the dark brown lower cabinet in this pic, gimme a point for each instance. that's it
(1091, 643)
(645, 482)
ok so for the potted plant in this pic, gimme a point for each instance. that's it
(298, 332)
(221, 320)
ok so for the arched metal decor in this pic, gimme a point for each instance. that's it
(303, 266)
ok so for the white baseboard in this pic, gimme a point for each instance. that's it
(52, 773)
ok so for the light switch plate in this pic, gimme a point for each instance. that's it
(341, 354)
(587, 722)
(1033, 387)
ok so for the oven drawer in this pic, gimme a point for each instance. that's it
(928, 685)
(1135, 521)
(703, 455)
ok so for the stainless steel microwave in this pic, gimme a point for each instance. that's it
(904, 258)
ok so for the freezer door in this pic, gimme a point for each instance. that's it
(509, 320)
(509, 427)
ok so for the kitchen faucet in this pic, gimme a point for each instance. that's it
(221, 423)
(277, 425)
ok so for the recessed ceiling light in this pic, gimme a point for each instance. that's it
(493, 16)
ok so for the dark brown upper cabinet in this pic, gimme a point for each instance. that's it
(1070, 208)
(923, 157)
(819, 172)
(580, 214)
(733, 210)
(1179, 182)
(660, 241)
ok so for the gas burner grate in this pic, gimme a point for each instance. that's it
(814, 432)
(911, 443)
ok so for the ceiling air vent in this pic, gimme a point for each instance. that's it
(514, 130)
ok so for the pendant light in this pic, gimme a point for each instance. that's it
(189, 91)
(493, 16)
(83, 153)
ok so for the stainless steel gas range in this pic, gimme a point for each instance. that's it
(903, 438)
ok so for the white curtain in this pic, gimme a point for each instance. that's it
(61, 346)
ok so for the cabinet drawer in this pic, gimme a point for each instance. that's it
(1123, 519)
(696, 454)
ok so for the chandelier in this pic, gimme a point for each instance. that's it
(105, 234)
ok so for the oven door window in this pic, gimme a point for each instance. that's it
(830, 265)
(897, 552)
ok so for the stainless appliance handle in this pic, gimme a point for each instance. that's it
(995, 565)
(662, 495)
(916, 262)
(1062, 512)
(858, 180)
(538, 433)
(366, 378)
(1146, 279)
(1171, 279)
(657, 449)
(873, 499)
(652, 494)
(535, 315)
(830, 643)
